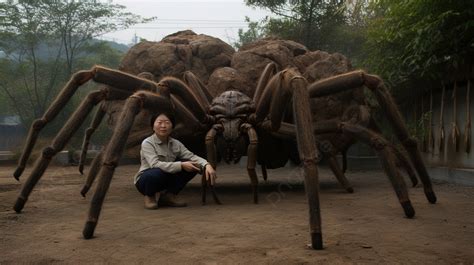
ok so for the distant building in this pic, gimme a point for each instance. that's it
(12, 133)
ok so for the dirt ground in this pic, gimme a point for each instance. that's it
(366, 227)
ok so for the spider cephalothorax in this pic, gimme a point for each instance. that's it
(231, 111)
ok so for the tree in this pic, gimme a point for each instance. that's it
(22, 27)
(301, 20)
(419, 41)
(329, 25)
(45, 41)
(254, 32)
(77, 22)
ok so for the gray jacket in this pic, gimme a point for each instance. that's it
(158, 154)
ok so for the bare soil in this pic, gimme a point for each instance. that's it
(366, 227)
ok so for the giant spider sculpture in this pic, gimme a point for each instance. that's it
(230, 115)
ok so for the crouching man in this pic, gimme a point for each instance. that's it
(167, 165)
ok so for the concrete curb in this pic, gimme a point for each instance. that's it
(453, 175)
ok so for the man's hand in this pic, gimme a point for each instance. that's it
(210, 174)
(190, 166)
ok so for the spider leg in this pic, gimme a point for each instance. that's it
(405, 163)
(388, 159)
(120, 80)
(115, 148)
(372, 138)
(214, 195)
(264, 172)
(288, 131)
(212, 159)
(410, 144)
(66, 93)
(403, 160)
(375, 84)
(183, 114)
(283, 87)
(268, 72)
(344, 160)
(93, 171)
(99, 115)
(339, 173)
(327, 148)
(273, 101)
(203, 189)
(252, 158)
(96, 122)
(132, 141)
(308, 154)
(186, 95)
(71, 126)
(197, 87)
(384, 150)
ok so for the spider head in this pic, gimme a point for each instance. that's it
(231, 110)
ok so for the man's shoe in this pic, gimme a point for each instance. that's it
(150, 203)
(172, 200)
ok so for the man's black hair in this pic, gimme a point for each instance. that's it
(168, 114)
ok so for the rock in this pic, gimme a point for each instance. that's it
(177, 53)
(319, 65)
(220, 68)
(252, 58)
(228, 78)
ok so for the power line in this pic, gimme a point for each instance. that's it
(198, 20)
(211, 23)
(194, 27)
(194, 20)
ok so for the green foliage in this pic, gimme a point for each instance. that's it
(300, 20)
(254, 32)
(18, 84)
(410, 43)
(417, 40)
(44, 42)
(419, 126)
(99, 52)
(284, 28)
(76, 22)
(333, 26)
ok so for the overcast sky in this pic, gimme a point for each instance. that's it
(218, 18)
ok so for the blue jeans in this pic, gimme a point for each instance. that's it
(155, 180)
